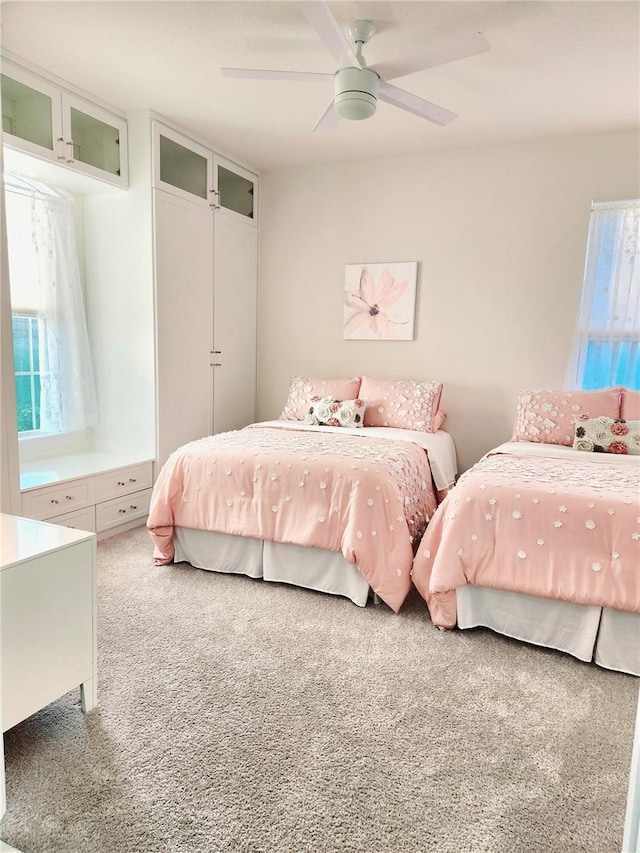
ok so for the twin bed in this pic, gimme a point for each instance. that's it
(543, 547)
(538, 541)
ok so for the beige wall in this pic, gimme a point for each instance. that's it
(500, 236)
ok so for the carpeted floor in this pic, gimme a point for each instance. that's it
(241, 716)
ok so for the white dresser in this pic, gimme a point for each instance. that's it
(48, 618)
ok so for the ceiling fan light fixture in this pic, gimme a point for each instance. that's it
(356, 93)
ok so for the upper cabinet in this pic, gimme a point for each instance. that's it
(193, 172)
(181, 166)
(236, 191)
(41, 119)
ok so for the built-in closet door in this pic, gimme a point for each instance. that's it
(184, 321)
(235, 286)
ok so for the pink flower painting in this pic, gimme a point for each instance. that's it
(379, 301)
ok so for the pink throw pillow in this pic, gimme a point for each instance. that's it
(629, 404)
(439, 420)
(549, 417)
(404, 404)
(302, 389)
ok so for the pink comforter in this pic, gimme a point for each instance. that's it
(564, 527)
(369, 498)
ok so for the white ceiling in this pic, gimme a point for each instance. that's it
(554, 68)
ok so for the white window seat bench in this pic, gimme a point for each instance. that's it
(98, 491)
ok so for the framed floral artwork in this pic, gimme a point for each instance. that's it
(380, 301)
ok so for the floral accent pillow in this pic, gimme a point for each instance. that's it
(548, 416)
(605, 435)
(302, 389)
(404, 404)
(326, 411)
(629, 404)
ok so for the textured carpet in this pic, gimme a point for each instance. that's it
(238, 715)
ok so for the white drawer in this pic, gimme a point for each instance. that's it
(123, 481)
(56, 500)
(112, 513)
(81, 519)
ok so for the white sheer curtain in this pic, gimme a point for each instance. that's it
(67, 391)
(606, 348)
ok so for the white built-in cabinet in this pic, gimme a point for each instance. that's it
(44, 120)
(95, 491)
(235, 266)
(190, 170)
(170, 243)
(184, 318)
(206, 244)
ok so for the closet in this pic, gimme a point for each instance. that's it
(205, 237)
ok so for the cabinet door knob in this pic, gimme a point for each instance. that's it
(70, 497)
(121, 483)
(133, 507)
(122, 510)
(132, 480)
(54, 501)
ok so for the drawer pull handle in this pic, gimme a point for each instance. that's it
(54, 501)
(120, 483)
(133, 507)
(132, 480)
(70, 497)
(122, 510)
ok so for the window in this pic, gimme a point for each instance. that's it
(53, 373)
(607, 349)
(25, 309)
(26, 355)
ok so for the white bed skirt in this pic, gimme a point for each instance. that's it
(312, 568)
(610, 638)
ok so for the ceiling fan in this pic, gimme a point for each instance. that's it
(357, 87)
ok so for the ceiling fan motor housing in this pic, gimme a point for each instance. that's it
(356, 93)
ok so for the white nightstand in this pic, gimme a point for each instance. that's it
(631, 841)
(48, 619)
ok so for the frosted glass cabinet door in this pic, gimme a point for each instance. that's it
(31, 116)
(236, 191)
(41, 119)
(95, 141)
(182, 166)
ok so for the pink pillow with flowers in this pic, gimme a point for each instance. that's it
(302, 389)
(629, 404)
(336, 413)
(401, 403)
(549, 416)
(605, 435)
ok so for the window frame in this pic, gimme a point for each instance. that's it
(32, 373)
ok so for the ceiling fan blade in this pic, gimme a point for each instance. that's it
(328, 120)
(413, 104)
(321, 19)
(432, 55)
(265, 74)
